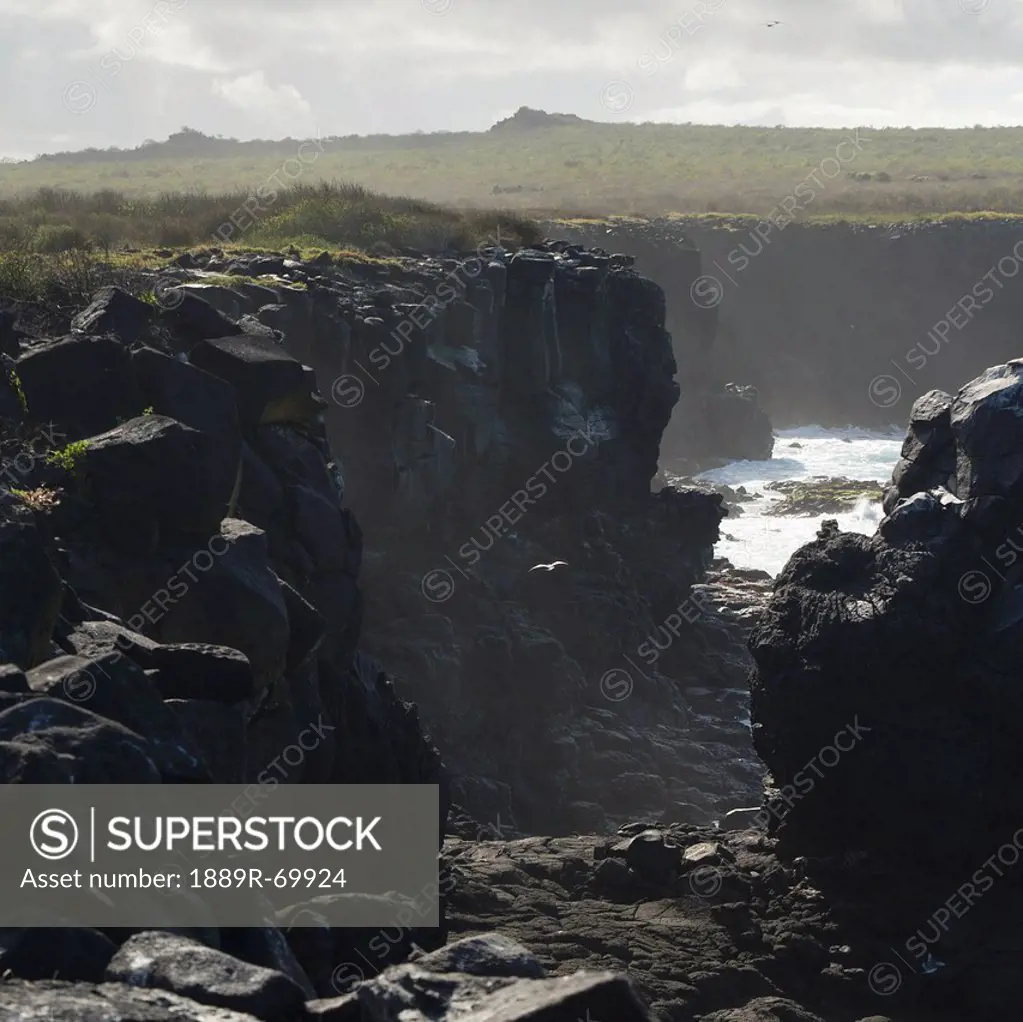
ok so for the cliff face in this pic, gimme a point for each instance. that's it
(718, 417)
(886, 693)
(185, 588)
(837, 324)
(491, 413)
(180, 588)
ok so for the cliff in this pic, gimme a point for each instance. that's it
(835, 323)
(491, 412)
(886, 693)
(188, 595)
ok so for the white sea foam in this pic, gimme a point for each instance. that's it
(767, 542)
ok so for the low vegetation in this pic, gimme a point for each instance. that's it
(68, 458)
(61, 243)
(72, 222)
(42, 498)
(51, 220)
(541, 164)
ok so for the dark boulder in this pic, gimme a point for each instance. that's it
(165, 961)
(114, 687)
(582, 995)
(257, 266)
(928, 456)
(31, 762)
(268, 948)
(768, 1009)
(155, 472)
(114, 311)
(254, 328)
(12, 679)
(270, 385)
(186, 393)
(986, 419)
(652, 856)
(96, 750)
(95, 638)
(105, 1002)
(82, 384)
(192, 318)
(485, 954)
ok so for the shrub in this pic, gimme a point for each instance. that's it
(49, 238)
(332, 213)
(68, 457)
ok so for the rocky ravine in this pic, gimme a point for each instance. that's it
(491, 413)
(839, 901)
(186, 589)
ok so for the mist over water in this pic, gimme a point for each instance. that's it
(757, 540)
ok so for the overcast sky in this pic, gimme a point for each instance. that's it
(78, 73)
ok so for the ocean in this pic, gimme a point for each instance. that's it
(757, 540)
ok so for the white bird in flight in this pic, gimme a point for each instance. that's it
(549, 567)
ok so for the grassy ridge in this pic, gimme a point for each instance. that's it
(588, 168)
(57, 244)
(325, 215)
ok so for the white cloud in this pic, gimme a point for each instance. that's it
(713, 76)
(254, 95)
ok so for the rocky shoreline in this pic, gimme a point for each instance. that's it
(331, 474)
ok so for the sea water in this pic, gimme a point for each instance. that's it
(757, 540)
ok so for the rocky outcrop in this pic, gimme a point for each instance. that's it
(837, 323)
(715, 421)
(718, 926)
(181, 603)
(189, 594)
(158, 977)
(717, 425)
(885, 695)
(495, 411)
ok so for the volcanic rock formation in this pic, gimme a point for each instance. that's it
(491, 412)
(886, 699)
(183, 580)
(715, 421)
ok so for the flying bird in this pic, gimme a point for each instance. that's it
(549, 567)
(771, 24)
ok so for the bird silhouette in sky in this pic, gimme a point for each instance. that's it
(771, 24)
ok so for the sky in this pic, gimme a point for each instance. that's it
(81, 73)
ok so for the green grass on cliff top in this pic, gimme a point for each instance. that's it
(587, 168)
(306, 215)
(60, 243)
